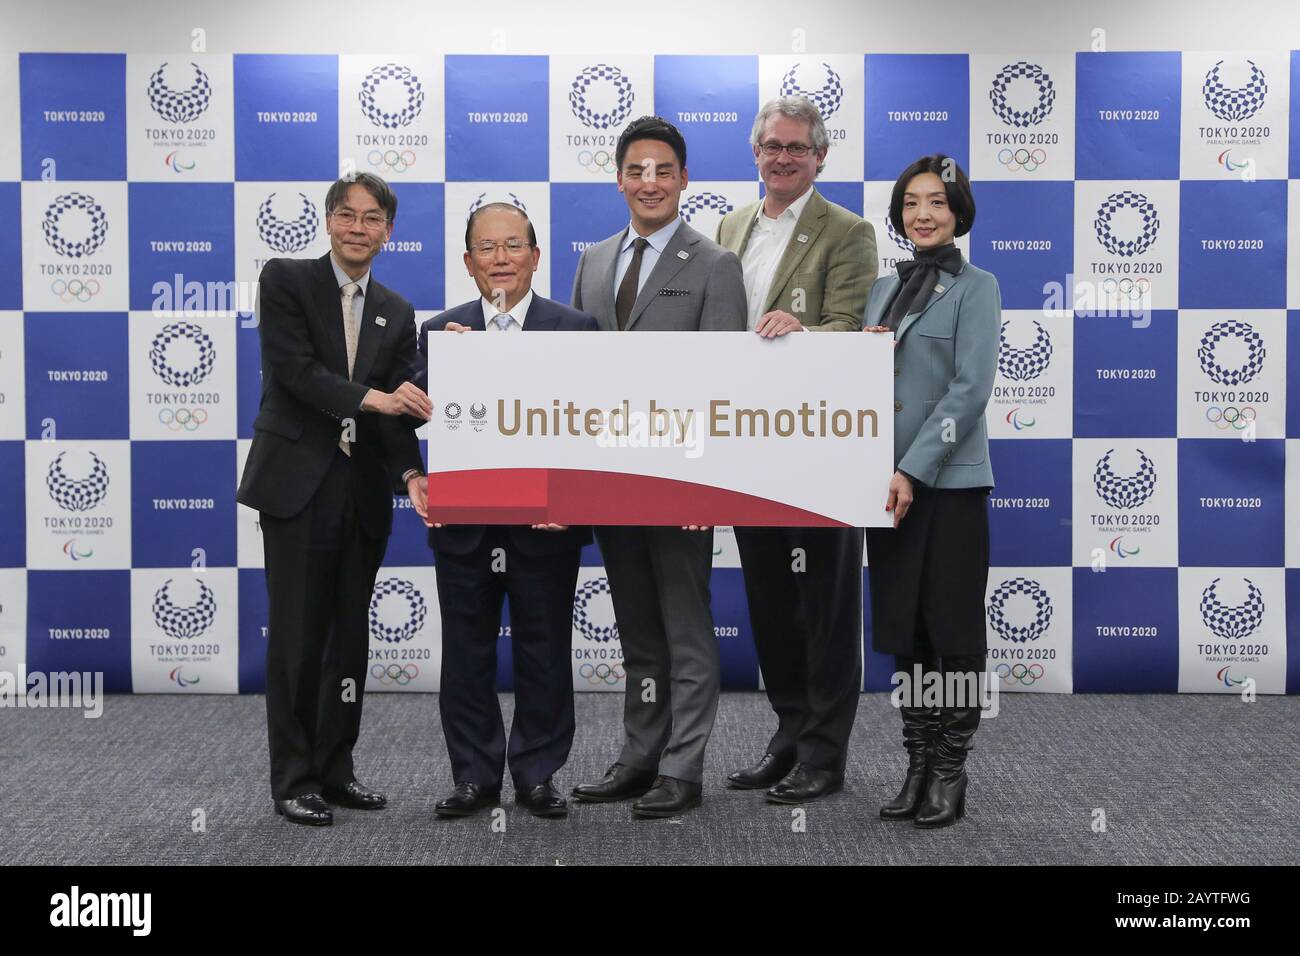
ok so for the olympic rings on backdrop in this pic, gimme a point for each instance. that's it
(75, 289)
(1020, 673)
(183, 418)
(400, 674)
(602, 673)
(1028, 160)
(1230, 416)
(1129, 288)
(392, 159)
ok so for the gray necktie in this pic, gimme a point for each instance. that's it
(349, 293)
(503, 321)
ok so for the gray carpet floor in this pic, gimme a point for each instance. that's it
(1180, 779)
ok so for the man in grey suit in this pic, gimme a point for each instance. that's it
(660, 275)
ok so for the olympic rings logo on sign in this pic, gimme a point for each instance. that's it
(1026, 159)
(399, 674)
(1020, 673)
(391, 159)
(602, 673)
(1129, 288)
(75, 289)
(183, 418)
(1230, 416)
(601, 161)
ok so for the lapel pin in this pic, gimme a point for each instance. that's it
(683, 254)
(938, 289)
(802, 237)
(380, 321)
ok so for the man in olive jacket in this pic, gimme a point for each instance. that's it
(808, 266)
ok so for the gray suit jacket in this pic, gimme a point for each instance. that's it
(945, 360)
(696, 286)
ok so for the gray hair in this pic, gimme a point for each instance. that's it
(795, 107)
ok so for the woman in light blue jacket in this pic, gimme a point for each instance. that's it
(929, 573)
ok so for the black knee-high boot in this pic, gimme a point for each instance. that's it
(920, 728)
(945, 789)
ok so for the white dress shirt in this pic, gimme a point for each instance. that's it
(768, 241)
(657, 241)
(517, 313)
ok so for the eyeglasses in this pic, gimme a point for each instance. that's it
(796, 150)
(487, 248)
(371, 220)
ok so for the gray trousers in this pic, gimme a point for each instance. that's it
(659, 583)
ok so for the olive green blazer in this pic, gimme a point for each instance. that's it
(829, 264)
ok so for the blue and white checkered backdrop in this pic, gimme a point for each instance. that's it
(1141, 537)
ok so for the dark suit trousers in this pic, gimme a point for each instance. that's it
(659, 585)
(808, 633)
(470, 595)
(320, 574)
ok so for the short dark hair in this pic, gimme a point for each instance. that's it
(651, 127)
(960, 199)
(499, 207)
(380, 190)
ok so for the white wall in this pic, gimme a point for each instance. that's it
(699, 26)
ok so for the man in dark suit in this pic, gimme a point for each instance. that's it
(330, 447)
(478, 567)
(660, 275)
(808, 267)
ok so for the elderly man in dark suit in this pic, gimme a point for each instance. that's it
(478, 567)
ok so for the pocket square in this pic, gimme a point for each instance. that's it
(674, 291)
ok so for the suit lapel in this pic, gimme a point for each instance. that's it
(810, 225)
(371, 334)
(751, 216)
(675, 255)
(539, 318)
(604, 263)
(330, 315)
(945, 285)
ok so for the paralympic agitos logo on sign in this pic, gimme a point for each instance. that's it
(454, 416)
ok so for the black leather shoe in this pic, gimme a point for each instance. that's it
(619, 783)
(355, 796)
(543, 800)
(309, 810)
(466, 800)
(805, 783)
(945, 788)
(920, 728)
(668, 798)
(763, 774)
